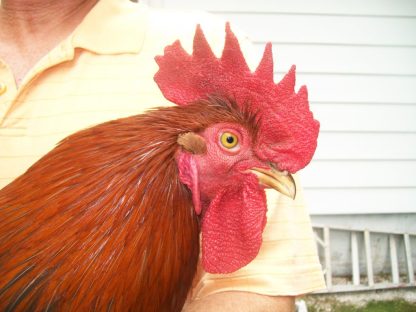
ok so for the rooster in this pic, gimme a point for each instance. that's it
(110, 219)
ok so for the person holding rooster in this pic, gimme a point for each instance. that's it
(65, 66)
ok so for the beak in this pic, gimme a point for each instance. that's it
(282, 182)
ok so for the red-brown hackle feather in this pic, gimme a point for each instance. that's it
(102, 222)
(288, 132)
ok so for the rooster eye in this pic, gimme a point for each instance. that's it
(229, 140)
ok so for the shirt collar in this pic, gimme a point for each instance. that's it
(112, 27)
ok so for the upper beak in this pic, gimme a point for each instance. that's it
(282, 182)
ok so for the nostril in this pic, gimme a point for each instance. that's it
(272, 165)
(276, 168)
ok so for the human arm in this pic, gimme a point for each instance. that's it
(241, 301)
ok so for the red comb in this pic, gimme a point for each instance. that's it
(288, 132)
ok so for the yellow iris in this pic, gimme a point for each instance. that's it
(229, 140)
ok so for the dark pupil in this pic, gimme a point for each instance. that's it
(230, 140)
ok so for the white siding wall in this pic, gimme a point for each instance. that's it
(358, 59)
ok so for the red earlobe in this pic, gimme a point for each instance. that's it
(188, 175)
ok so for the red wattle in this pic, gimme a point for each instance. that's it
(188, 175)
(232, 227)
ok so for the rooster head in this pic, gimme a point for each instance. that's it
(227, 165)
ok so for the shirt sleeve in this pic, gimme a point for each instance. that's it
(287, 264)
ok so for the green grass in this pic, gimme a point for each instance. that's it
(373, 306)
(386, 306)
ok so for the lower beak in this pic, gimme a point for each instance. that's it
(282, 182)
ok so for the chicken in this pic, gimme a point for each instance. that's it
(110, 219)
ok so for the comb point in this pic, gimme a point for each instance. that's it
(287, 84)
(303, 92)
(232, 56)
(265, 68)
(201, 47)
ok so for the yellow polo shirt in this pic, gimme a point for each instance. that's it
(104, 70)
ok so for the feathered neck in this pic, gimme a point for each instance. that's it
(102, 221)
